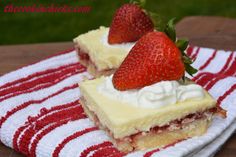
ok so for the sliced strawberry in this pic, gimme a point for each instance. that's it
(129, 23)
(154, 58)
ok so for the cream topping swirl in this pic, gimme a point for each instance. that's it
(128, 45)
(154, 96)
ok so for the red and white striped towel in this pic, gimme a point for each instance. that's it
(40, 114)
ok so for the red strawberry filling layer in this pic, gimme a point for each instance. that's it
(84, 57)
(86, 61)
(173, 125)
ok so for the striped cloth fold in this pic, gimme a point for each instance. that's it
(40, 114)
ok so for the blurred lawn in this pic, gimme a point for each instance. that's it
(21, 28)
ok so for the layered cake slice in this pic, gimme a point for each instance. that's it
(100, 57)
(153, 116)
(103, 50)
(148, 102)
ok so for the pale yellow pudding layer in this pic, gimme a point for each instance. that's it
(124, 119)
(103, 56)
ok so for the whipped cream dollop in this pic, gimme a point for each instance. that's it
(104, 40)
(153, 96)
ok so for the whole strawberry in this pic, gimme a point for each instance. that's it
(129, 23)
(154, 58)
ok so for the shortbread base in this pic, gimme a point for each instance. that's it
(153, 139)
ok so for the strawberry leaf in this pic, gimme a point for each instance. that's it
(189, 69)
(187, 60)
(182, 44)
(156, 19)
(140, 3)
(170, 30)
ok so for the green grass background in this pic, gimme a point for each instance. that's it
(22, 28)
